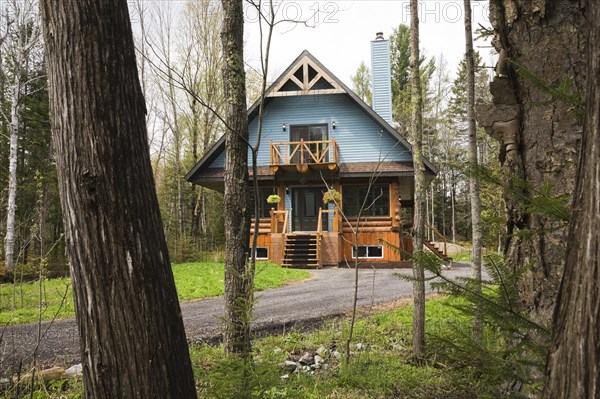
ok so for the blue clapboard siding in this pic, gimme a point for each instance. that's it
(288, 205)
(358, 137)
(381, 79)
(219, 161)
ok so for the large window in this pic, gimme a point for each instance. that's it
(264, 208)
(309, 133)
(376, 200)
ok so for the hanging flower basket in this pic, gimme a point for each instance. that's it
(332, 196)
(273, 199)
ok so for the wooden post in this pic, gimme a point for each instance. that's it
(273, 221)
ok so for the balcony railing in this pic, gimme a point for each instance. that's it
(304, 155)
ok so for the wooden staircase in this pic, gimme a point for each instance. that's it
(301, 250)
(437, 251)
(440, 248)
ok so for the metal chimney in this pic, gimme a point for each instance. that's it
(381, 77)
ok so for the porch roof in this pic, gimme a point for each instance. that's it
(384, 168)
(213, 177)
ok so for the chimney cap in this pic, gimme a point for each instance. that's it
(379, 36)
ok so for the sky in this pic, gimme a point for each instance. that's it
(339, 32)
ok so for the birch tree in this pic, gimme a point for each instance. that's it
(133, 343)
(473, 179)
(22, 37)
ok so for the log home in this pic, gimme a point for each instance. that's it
(317, 135)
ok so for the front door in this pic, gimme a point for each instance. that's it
(305, 208)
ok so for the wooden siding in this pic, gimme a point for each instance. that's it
(264, 226)
(335, 249)
(367, 238)
(277, 248)
(264, 240)
(331, 247)
(371, 224)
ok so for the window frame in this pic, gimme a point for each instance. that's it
(261, 258)
(367, 246)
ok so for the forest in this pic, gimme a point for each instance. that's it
(105, 108)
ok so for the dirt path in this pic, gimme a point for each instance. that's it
(327, 294)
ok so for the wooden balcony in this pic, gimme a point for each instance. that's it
(304, 156)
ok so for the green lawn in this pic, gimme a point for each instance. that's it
(20, 303)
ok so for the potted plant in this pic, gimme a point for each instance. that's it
(332, 196)
(273, 199)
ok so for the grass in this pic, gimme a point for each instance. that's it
(383, 369)
(19, 303)
(466, 256)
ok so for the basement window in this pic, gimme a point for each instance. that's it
(262, 253)
(368, 251)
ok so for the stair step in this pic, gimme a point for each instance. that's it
(300, 250)
(311, 264)
(433, 248)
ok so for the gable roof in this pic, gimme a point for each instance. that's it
(307, 76)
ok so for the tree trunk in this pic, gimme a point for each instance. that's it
(180, 241)
(419, 167)
(453, 205)
(11, 206)
(473, 178)
(133, 343)
(236, 205)
(573, 369)
(539, 134)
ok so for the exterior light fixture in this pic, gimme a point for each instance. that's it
(333, 125)
(283, 127)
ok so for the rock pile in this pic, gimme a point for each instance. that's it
(310, 362)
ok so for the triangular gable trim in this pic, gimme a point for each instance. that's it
(305, 74)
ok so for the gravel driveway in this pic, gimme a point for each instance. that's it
(328, 293)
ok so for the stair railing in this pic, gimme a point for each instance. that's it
(276, 217)
(436, 233)
(319, 232)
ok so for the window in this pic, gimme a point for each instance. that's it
(368, 251)
(264, 208)
(309, 133)
(262, 253)
(377, 201)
